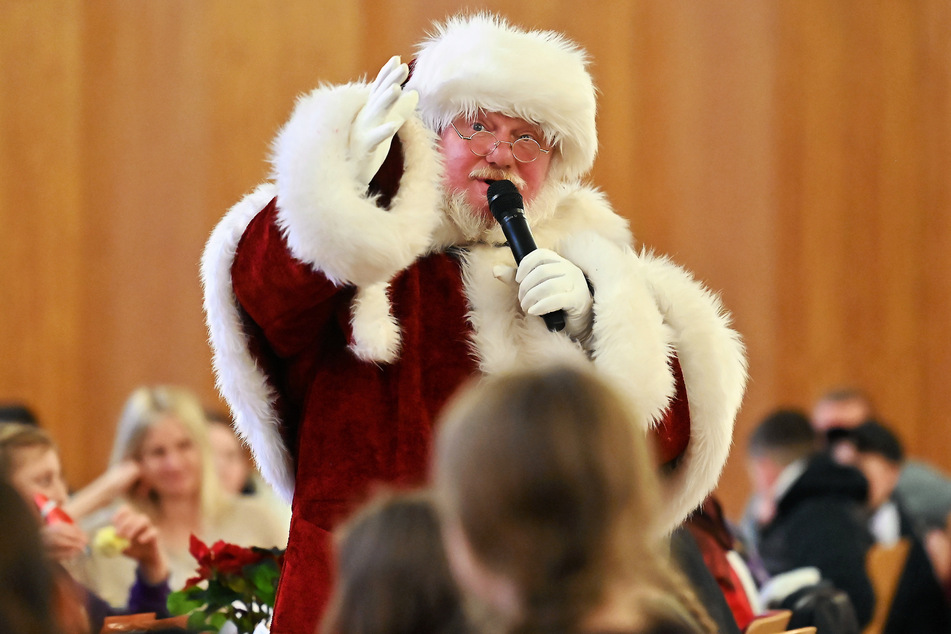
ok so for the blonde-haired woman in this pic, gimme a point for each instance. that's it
(163, 431)
(549, 505)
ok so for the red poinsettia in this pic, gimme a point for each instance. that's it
(233, 583)
(222, 558)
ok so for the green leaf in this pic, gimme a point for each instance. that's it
(196, 622)
(220, 596)
(181, 602)
(217, 620)
(265, 578)
(237, 584)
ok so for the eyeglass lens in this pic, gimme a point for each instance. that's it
(525, 150)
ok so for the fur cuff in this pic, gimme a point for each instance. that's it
(631, 343)
(713, 361)
(326, 217)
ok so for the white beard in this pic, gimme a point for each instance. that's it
(462, 224)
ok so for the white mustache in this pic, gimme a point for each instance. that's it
(493, 174)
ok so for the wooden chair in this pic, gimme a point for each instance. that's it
(884, 565)
(773, 622)
(141, 622)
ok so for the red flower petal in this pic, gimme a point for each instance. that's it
(197, 548)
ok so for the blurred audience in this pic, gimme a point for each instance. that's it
(163, 430)
(548, 499)
(839, 409)
(720, 549)
(925, 491)
(810, 510)
(232, 462)
(27, 581)
(30, 462)
(688, 558)
(919, 604)
(235, 469)
(17, 412)
(392, 576)
(102, 491)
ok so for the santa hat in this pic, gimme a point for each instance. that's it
(482, 62)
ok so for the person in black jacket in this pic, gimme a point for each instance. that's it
(812, 510)
(919, 604)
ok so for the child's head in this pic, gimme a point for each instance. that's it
(392, 574)
(29, 460)
(547, 493)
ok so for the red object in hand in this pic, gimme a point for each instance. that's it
(50, 511)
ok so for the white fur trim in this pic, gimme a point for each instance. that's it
(237, 375)
(713, 360)
(483, 62)
(504, 339)
(376, 335)
(327, 219)
(645, 308)
(630, 343)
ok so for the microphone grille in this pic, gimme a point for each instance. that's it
(503, 197)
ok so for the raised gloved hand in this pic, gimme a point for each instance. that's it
(385, 111)
(548, 282)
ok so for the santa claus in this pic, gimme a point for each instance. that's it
(351, 295)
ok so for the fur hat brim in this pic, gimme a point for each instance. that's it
(481, 62)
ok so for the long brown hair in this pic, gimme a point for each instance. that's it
(392, 574)
(551, 482)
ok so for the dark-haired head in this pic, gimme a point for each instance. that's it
(392, 574)
(874, 437)
(27, 585)
(785, 435)
(17, 413)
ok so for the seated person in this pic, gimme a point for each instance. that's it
(919, 604)
(811, 510)
(925, 491)
(164, 430)
(27, 581)
(392, 576)
(235, 469)
(232, 462)
(550, 509)
(720, 549)
(29, 460)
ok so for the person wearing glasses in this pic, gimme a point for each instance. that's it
(351, 295)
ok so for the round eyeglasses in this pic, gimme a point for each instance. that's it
(483, 143)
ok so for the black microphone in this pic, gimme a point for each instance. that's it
(505, 203)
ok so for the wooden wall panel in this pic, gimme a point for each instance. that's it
(931, 436)
(794, 155)
(41, 342)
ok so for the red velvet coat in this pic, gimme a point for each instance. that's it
(358, 423)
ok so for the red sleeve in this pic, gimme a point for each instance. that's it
(291, 304)
(672, 434)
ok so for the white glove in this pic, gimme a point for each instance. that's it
(387, 108)
(548, 282)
